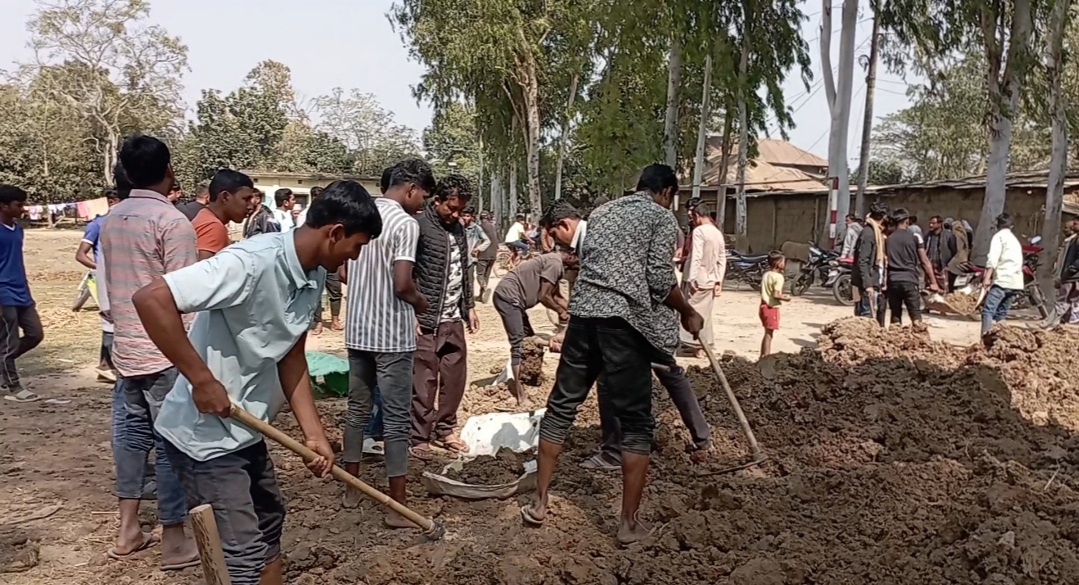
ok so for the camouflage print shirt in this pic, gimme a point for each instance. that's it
(626, 268)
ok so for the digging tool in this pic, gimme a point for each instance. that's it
(204, 527)
(433, 529)
(758, 455)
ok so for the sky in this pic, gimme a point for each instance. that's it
(350, 44)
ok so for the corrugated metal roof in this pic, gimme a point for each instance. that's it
(772, 170)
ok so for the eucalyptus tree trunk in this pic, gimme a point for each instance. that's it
(724, 162)
(565, 138)
(1058, 162)
(867, 120)
(674, 91)
(740, 219)
(702, 130)
(512, 215)
(1004, 93)
(839, 95)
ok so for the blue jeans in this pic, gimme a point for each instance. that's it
(134, 437)
(997, 303)
(521, 246)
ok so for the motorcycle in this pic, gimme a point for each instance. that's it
(818, 266)
(839, 280)
(747, 268)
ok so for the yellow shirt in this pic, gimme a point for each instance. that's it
(772, 288)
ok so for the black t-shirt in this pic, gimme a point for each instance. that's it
(190, 209)
(902, 250)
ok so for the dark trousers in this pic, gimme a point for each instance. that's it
(439, 374)
(484, 266)
(383, 380)
(106, 349)
(612, 348)
(241, 487)
(12, 345)
(906, 294)
(515, 321)
(333, 290)
(682, 395)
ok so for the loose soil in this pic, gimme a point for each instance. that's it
(503, 467)
(893, 459)
(532, 363)
(962, 303)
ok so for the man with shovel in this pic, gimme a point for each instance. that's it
(622, 312)
(254, 302)
(565, 226)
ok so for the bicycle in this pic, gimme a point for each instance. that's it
(505, 261)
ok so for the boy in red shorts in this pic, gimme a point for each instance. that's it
(771, 297)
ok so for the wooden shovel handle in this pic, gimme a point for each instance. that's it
(308, 455)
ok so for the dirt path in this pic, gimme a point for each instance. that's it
(848, 453)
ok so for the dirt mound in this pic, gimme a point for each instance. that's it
(893, 460)
(503, 467)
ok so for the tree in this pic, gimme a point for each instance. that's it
(452, 140)
(839, 97)
(1058, 17)
(932, 139)
(367, 130)
(122, 72)
(1002, 30)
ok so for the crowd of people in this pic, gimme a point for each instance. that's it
(194, 325)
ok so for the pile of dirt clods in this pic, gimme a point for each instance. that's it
(892, 460)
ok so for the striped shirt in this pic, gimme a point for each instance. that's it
(376, 320)
(144, 237)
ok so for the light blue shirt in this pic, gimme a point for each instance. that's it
(254, 301)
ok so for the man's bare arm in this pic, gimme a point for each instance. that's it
(404, 287)
(82, 256)
(164, 325)
(549, 297)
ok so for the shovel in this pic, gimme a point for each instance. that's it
(757, 453)
(433, 529)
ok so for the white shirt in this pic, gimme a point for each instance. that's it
(283, 217)
(1006, 260)
(375, 319)
(451, 302)
(254, 300)
(516, 233)
(302, 218)
(578, 237)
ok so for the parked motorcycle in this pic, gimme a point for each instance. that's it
(839, 280)
(818, 266)
(747, 268)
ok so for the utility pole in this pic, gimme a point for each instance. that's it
(867, 122)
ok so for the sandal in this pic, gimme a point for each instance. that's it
(528, 518)
(598, 462)
(452, 443)
(22, 395)
(422, 453)
(148, 540)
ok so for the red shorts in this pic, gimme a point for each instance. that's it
(769, 317)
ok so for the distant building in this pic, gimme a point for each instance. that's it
(301, 184)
